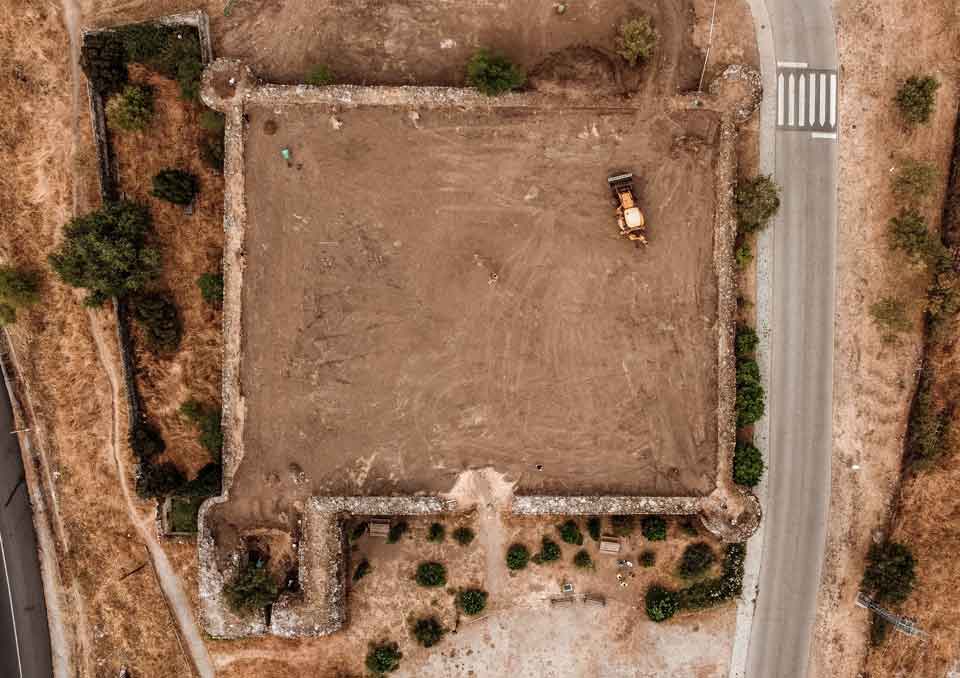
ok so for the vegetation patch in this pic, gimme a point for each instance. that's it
(428, 631)
(914, 180)
(636, 39)
(175, 186)
(518, 555)
(648, 558)
(397, 530)
(594, 527)
(928, 424)
(549, 552)
(156, 313)
(157, 480)
(472, 601)
(654, 528)
(622, 525)
(583, 560)
(252, 589)
(319, 76)
(362, 570)
(211, 288)
(570, 532)
(696, 560)
(436, 533)
(19, 288)
(431, 574)
(890, 316)
(916, 98)
(131, 109)
(463, 536)
(662, 603)
(384, 658)
(757, 201)
(493, 73)
(889, 576)
(183, 513)
(747, 464)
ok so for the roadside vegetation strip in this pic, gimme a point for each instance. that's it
(662, 603)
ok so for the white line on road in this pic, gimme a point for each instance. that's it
(833, 99)
(791, 100)
(13, 616)
(813, 99)
(801, 109)
(791, 64)
(824, 135)
(780, 94)
(823, 100)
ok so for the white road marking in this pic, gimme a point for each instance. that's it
(780, 94)
(823, 135)
(833, 99)
(802, 107)
(791, 100)
(823, 100)
(791, 64)
(813, 99)
(807, 100)
(13, 616)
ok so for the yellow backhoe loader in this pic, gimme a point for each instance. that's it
(629, 217)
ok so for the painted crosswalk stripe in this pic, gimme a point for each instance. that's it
(806, 99)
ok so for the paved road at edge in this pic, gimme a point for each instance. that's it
(24, 636)
(801, 357)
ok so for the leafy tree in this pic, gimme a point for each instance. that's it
(106, 252)
(636, 39)
(397, 530)
(594, 527)
(747, 464)
(146, 441)
(916, 98)
(517, 556)
(103, 62)
(648, 558)
(750, 397)
(155, 480)
(493, 73)
(570, 532)
(431, 574)
(757, 200)
(472, 601)
(746, 341)
(207, 483)
(696, 560)
(463, 536)
(914, 180)
(428, 631)
(160, 319)
(437, 532)
(583, 560)
(660, 603)
(549, 551)
(211, 288)
(18, 288)
(622, 525)
(176, 186)
(251, 589)
(909, 232)
(362, 570)
(889, 575)
(172, 52)
(654, 528)
(384, 658)
(320, 75)
(131, 109)
(207, 419)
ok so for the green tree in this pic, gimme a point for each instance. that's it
(211, 288)
(207, 482)
(746, 341)
(916, 98)
(131, 109)
(518, 556)
(660, 603)
(146, 441)
(102, 60)
(696, 560)
(472, 601)
(622, 525)
(431, 574)
(463, 536)
(384, 658)
(743, 255)
(175, 186)
(251, 589)
(749, 404)
(757, 201)
(160, 319)
(583, 560)
(19, 287)
(436, 533)
(570, 532)
(157, 481)
(493, 73)
(594, 527)
(654, 528)
(914, 180)
(889, 575)
(428, 631)
(397, 530)
(106, 252)
(648, 558)
(747, 464)
(320, 75)
(549, 551)
(636, 39)
(910, 233)
(362, 570)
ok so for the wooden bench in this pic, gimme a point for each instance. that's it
(379, 527)
(561, 601)
(594, 599)
(609, 545)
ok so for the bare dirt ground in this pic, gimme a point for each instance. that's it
(875, 381)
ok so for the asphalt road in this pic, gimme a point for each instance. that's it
(24, 636)
(800, 395)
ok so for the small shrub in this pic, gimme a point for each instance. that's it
(18, 288)
(747, 464)
(696, 560)
(916, 98)
(106, 252)
(549, 552)
(750, 398)
(493, 74)
(636, 39)
(594, 527)
(158, 316)
(648, 558)
(927, 424)
(889, 575)
(746, 341)
(890, 316)
(175, 186)
(157, 481)
(436, 533)
(914, 180)
(397, 530)
(463, 536)
(189, 77)
(909, 232)
(146, 441)
(362, 570)
(211, 288)
(428, 631)
(207, 419)
(252, 589)
(131, 109)
(660, 603)
(431, 574)
(518, 556)
(212, 151)
(319, 76)
(583, 560)
(384, 658)
(570, 532)
(472, 601)
(654, 528)
(757, 201)
(359, 529)
(743, 255)
(622, 525)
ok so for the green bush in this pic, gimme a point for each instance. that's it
(660, 603)
(757, 201)
(594, 527)
(103, 62)
(172, 52)
(8, 314)
(472, 601)
(717, 589)
(207, 419)
(636, 39)
(175, 186)
(570, 532)
(431, 574)
(583, 560)
(131, 109)
(397, 530)
(359, 529)
(463, 536)
(158, 316)
(549, 552)
(183, 513)
(696, 560)
(622, 525)
(251, 589)
(916, 98)
(106, 252)
(319, 76)
(146, 441)
(384, 658)
(889, 575)
(362, 570)
(654, 528)
(189, 77)
(743, 255)
(914, 180)
(890, 316)
(910, 233)
(493, 74)
(746, 341)
(212, 121)
(156, 481)
(212, 151)
(518, 556)
(18, 288)
(211, 288)
(436, 533)
(747, 464)
(428, 631)
(648, 558)
(207, 483)
(750, 398)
